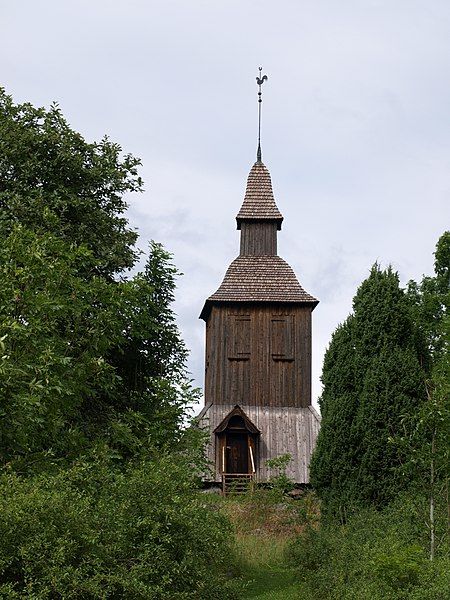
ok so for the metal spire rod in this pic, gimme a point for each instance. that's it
(260, 80)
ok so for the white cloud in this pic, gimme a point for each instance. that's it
(354, 127)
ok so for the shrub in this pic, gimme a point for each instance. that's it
(376, 555)
(280, 482)
(95, 532)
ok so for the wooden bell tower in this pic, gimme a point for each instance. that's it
(258, 351)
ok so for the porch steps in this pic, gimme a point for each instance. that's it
(237, 483)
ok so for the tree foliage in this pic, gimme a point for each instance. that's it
(430, 300)
(98, 476)
(87, 354)
(52, 180)
(84, 358)
(373, 374)
(427, 431)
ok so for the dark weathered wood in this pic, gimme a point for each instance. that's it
(269, 366)
(258, 238)
(258, 349)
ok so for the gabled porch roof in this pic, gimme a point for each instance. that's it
(237, 411)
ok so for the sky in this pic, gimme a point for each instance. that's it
(355, 128)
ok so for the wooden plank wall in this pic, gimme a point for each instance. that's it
(284, 430)
(262, 374)
(258, 238)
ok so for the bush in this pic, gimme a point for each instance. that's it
(95, 532)
(374, 556)
(280, 482)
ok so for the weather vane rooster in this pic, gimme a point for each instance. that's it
(260, 80)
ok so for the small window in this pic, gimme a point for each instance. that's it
(282, 338)
(238, 338)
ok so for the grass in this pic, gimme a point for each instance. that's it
(281, 554)
(263, 561)
(265, 524)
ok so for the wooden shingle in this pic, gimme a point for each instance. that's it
(261, 279)
(259, 202)
(254, 276)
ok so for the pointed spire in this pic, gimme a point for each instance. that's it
(259, 202)
(260, 80)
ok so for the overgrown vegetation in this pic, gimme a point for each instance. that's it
(286, 549)
(382, 463)
(279, 481)
(91, 531)
(99, 483)
(265, 523)
(376, 555)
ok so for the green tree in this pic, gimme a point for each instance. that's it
(427, 431)
(336, 457)
(83, 359)
(55, 328)
(98, 477)
(430, 300)
(87, 353)
(52, 180)
(372, 376)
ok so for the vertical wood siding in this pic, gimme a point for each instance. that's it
(259, 355)
(283, 430)
(258, 238)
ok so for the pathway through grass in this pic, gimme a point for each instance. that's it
(264, 528)
(267, 577)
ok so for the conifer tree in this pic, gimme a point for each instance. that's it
(372, 376)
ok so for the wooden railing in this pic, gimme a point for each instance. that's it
(251, 458)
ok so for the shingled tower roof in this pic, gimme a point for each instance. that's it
(261, 279)
(258, 274)
(259, 203)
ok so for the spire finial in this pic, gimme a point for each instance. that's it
(260, 80)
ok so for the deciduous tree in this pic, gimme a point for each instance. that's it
(87, 353)
(52, 180)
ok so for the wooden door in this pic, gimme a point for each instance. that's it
(237, 452)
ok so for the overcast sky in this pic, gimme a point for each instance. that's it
(355, 128)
